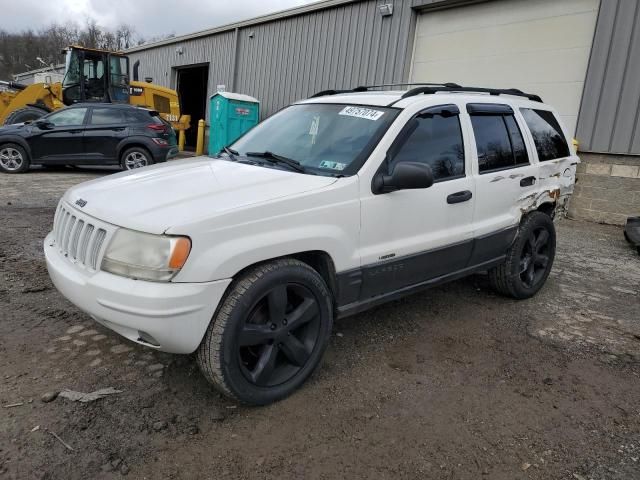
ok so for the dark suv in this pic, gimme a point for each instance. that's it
(88, 134)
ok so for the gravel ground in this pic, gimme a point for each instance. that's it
(453, 383)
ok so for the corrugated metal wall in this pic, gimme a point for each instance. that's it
(340, 47)
(351, 44)
(291, 58)
(216, 50)
(609, 120)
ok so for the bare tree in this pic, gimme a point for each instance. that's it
(28, 50)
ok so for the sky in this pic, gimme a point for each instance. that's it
(150, 18)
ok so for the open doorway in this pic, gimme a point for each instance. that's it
(192, 84)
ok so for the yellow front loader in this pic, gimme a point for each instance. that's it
(90, 76)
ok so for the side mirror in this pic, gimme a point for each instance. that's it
(43, 124)
(405, 176)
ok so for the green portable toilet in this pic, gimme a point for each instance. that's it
(232, 114)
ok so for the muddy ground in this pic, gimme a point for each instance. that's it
(453, 383)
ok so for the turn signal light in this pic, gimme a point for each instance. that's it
(180, 253)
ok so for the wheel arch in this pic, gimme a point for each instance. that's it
(319, 260)
(17, 140)
(548, 208)
(130, 143)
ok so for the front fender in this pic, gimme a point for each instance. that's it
(326, 221)
(18, 140)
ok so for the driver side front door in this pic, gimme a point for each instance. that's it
(409, 237)
(62, 141)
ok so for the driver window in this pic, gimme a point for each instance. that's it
(435, 140)
(68, 118)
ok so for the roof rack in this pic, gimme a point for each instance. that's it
(457, 88)
(367, 88)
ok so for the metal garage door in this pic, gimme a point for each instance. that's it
(539, 46)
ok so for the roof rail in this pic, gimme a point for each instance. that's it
(367, 88)
(427, 90)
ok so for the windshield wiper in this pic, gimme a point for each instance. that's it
(231, 152)
(279, 159)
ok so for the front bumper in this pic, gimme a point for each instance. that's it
(174, 315)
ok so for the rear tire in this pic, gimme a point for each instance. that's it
(269, 333)
(135, 157)
(13, 158)
(529, 260)
(24, 114)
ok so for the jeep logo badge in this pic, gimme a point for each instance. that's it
(81, 203)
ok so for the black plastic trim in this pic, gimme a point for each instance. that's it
(362, 305)
(377, 283)
(489, 109)
(491, 91)
(492, 245)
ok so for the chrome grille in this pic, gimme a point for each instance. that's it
(77, 238)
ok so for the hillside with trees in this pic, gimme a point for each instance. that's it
(33, 49)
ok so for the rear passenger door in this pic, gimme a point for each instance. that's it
(105, 129)
(505, 177)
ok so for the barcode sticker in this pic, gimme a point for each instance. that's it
(359, 112)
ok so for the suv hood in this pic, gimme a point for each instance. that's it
(14, 127)
(156, 198)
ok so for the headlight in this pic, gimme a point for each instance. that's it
(144, 256)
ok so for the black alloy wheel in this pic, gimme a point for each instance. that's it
(279, 335)
(529, 260)
(535, 257)
(269, 333)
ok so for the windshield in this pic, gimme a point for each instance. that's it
(325, 138)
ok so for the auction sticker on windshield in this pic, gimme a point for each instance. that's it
(332, 165)
(360, 112)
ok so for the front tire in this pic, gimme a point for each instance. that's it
(135, 157)
(529, 260)
(269, 333)
(13, 158)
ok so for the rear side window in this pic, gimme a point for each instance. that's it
(133, 117)
(106, 116)
(547, 135)
(499, 142)
(437, 141)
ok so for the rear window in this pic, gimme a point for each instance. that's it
(547, 135)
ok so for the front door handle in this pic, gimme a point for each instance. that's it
(459, 197)
(527, 181)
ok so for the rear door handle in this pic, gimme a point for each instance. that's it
(527, 181)
(459, 197)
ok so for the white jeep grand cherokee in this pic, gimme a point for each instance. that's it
(331, 206)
